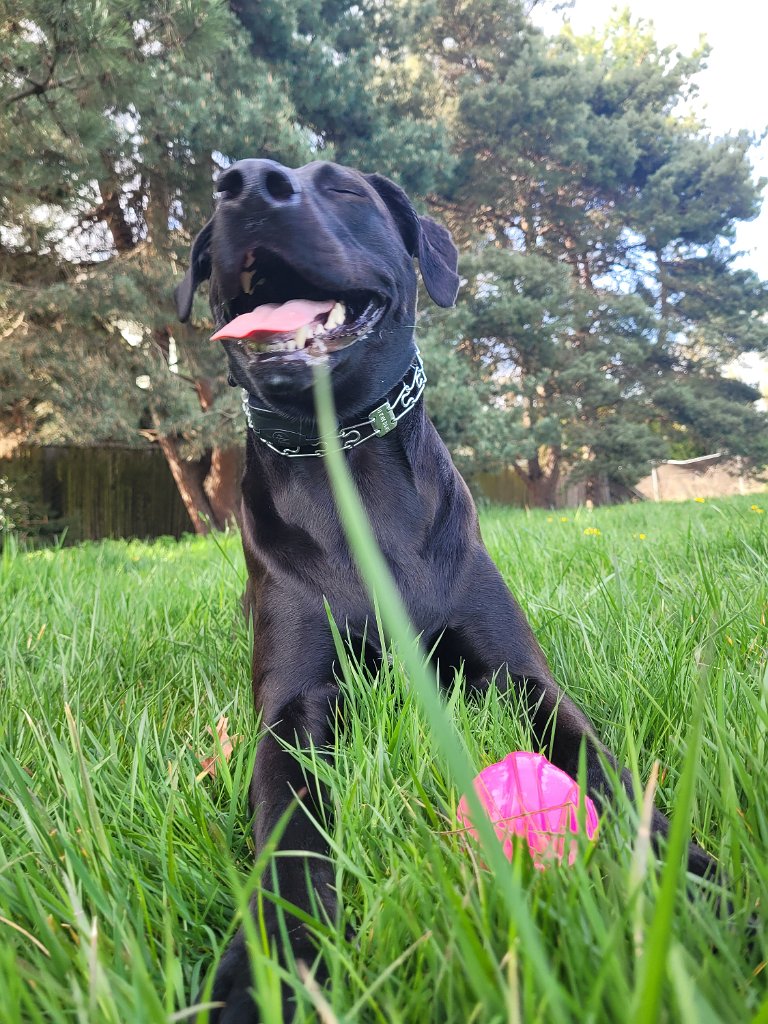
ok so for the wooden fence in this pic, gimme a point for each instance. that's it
(127, 492)
(97, 492)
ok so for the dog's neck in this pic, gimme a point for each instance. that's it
(289, 438)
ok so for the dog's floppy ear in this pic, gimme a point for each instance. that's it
(424, 238)
(199, 271)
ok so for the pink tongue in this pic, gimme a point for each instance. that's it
(275, 318)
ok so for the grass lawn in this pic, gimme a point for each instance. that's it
(121, 870)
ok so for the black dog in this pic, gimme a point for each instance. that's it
(342, 244)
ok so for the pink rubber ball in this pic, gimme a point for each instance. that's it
(526, 795)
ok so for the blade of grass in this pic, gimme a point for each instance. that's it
(653, 968)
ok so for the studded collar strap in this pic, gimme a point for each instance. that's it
(283, 437)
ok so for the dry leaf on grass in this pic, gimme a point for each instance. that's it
(227, 746)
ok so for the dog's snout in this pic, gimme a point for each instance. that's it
(265, 183)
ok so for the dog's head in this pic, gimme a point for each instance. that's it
(310, 263)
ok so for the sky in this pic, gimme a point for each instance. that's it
(732, 92)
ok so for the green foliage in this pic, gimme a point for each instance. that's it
(112, 117)
(600, 218)
(464, 397)
(117, 861)
(555, 367)
(351, 75)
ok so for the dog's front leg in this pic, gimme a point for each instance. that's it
(498, 643)
(299, 706)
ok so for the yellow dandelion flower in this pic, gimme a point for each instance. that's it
(563, 519)
(550, 519)
(591, 531)
(756, 508)
(700, 500)
(641, 536)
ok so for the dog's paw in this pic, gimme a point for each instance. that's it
(232, 987)
(233, 984)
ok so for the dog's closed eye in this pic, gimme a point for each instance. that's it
(347, 192)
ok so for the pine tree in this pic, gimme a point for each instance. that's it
(113, 119)
(356, 83)
(601, 221)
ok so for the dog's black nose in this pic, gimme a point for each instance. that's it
(263, 182)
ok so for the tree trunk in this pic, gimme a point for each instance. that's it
(210, 490)
(542, 482)
(209, 487)
(189, 481)
(222, 485)
(542, 493)
(598, 489)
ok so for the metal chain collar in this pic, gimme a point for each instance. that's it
(381, 420)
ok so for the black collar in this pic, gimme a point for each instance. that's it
(285, 437)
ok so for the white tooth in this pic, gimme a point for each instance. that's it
(336, 316)
(300, 337)
(246, 282)
(319, 329)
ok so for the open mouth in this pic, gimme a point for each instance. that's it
(279, 312)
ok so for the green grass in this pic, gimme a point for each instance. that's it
(120, 874)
